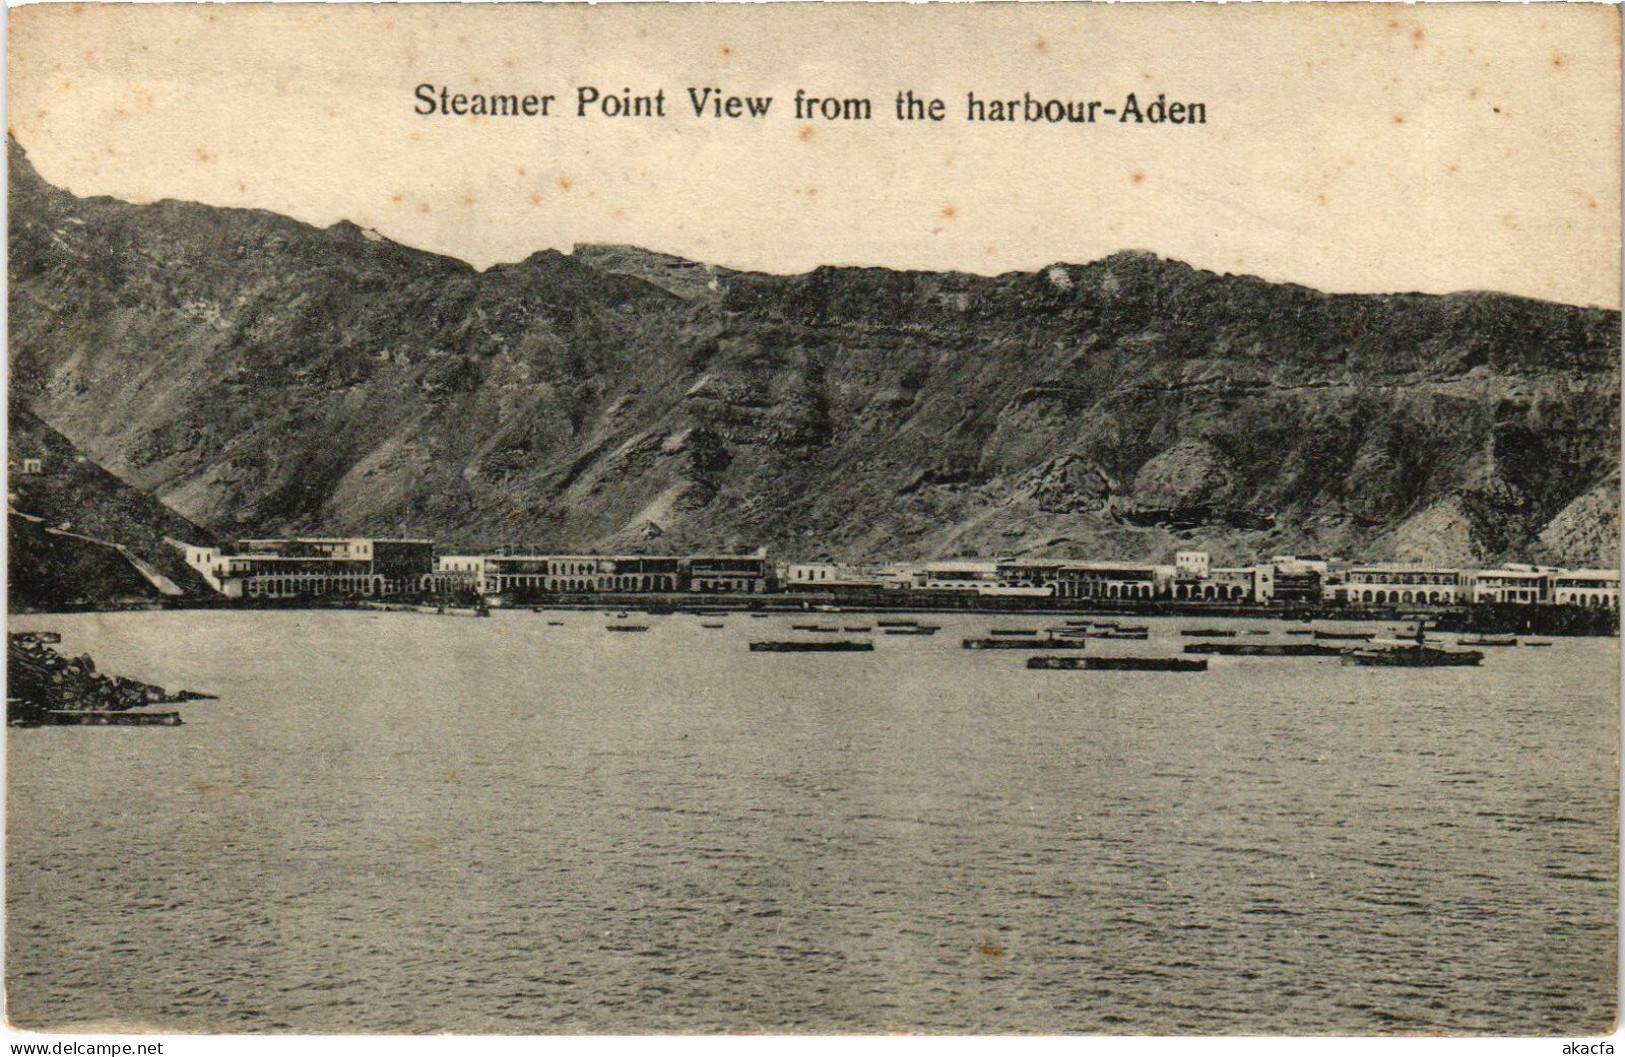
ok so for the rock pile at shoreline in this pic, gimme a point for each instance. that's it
(40, 680)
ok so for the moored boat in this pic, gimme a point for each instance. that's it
(922, 629)
(1117, 664)
(1488, 640)
(1416, 656)
(1346, 636)
(1028, 632)
(1208, 633)
(896, 623)
(818, 646)
(1023, 644)
(626, 627)
(1137, 634)
(1265, 649)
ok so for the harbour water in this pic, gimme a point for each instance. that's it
(395, 822)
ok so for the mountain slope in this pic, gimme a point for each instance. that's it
(260, 375)
(75, 528)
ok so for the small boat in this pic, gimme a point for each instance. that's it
(626, 627)
(759, 616)
(860, 630)
(1346, 636)
(825, 628)
(896, 623)
(1417, 656)
(1136, 635)
(89, 718)
(710, 624)
(1258, 631)
(555, 623)
(1117, 664)
(1013, 631)
(1208, 633)
(1531, 643)
(622, 616)
(1023, 644)
(1488, 640)
(922, 629)
(1265, 649)
(824, 646)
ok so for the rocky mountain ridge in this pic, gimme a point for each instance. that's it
(262, 376)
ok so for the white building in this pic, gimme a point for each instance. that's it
(1592, 588)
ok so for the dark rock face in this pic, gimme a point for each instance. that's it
(75, 528)
(263, 376)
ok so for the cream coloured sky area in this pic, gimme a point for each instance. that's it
(1348, 147)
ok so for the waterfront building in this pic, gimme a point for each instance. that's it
(1517, 584)
(1301, 579)
(1191, 565)
(1591, 588)
(1033, 577)
(834, 576)
(454, 573)
(959, 574)
(347, 567)
(1111, 580)
(1386, 585)
(730, 573)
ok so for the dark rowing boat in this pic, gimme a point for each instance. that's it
(1117, 664)
(835, 646)
(1023, 644)
(1265, 649)
(1413, 657)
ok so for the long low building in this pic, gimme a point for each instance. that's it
(313, 567)
(1589, 588)
(364, 567)
(589, 574)
(1385, 585)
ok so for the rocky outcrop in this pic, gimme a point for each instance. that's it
(263, 376)
(39, 680)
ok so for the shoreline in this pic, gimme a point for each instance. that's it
(1493, 618)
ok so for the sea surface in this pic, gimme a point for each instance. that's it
(394, 822)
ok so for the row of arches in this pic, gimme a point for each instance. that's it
(1386, 597)
(1072, 589)
(1588, 601)
(1209, 593)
